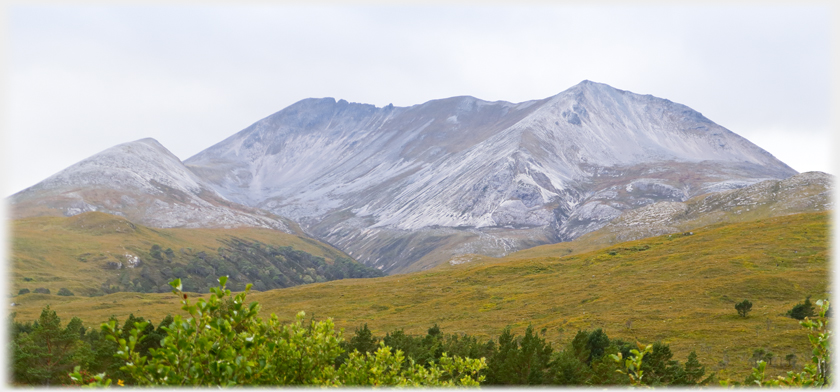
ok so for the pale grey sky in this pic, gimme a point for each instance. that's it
(80, 79)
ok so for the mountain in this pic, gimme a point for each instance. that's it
(143, 182)
(406, 188)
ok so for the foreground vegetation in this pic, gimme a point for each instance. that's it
(678, 289)
(224, 343)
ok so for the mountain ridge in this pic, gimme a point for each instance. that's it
(140, 180)
(406, 188)
(464, 163)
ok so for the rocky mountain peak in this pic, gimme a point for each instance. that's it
(403, 188)
(140, 180)
(351, 173)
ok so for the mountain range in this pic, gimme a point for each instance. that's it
(406, 188)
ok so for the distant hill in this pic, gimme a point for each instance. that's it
(94, 253)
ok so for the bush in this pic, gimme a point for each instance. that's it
(41, 290)
(225, 344)
(64, 292)
(154, 251)
(23, 291)
(800, 311)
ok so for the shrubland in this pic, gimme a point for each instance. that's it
(225, 343)
(677, 289)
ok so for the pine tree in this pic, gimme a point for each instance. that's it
(580, 346)
(534, 358)
(743, 307)
(692, 372)
(658, 367)
(597, 343)
(499, 366)
(48, 354)
(568, 369)
(363, 341)
(519, 364)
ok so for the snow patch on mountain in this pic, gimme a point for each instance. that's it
(568, 163)
(144, 182)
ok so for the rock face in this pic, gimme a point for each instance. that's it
(806, 192)
(143, 182)
(405, 188)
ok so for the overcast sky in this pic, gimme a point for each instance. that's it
(80, 79)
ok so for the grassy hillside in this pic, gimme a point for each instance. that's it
(83, 252)
(680, 289)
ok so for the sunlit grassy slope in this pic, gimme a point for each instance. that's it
(678, 289)
(55, 252)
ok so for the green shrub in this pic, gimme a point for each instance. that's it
(224, 343)
(155, 250)
(64, 292)
(23, 291)
(802, 310)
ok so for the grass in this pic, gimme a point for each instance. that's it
(55, 252)
(678, 289)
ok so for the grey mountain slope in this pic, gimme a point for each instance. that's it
(143, 182)
(404, 188)
(805, 192)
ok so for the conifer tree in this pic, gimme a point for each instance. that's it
(694, 371)
(743, 307)
(597, 343)
(515, 364)
(46, 356)
(363, 341)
